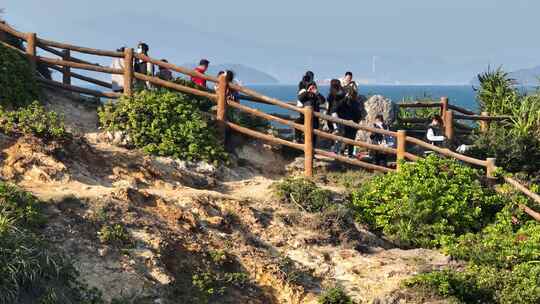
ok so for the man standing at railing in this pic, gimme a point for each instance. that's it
(202, 68)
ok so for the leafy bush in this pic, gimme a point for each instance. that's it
(166, 124)
(334, 295)
(304, 193)
(203, 103)
(17, 84)
(502, 265)
(30, 271)
(20, 207)
(514, 152)
(426, 203)
(497, 94)
(247, 120)
(114, 235)
(35, 120)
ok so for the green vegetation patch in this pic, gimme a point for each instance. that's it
(17, 84)
(304, 193)
(33, 120)
(30, 270)
(426, 203)
(334, 295)
(165, 124)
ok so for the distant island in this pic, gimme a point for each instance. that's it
(523, 77)
(243, 74)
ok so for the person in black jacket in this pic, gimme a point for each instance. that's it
(380, 139)
(309, 96)
(348, 109)
(309, 77)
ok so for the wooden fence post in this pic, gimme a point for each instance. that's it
(484, 125)
(222, 105)
(401, 146)
(128, 71)
(66, 73)
(449, 125)
(31, 42)
(308, 141)
(490, 167)
(444, 107)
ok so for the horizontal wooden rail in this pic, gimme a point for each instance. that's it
(12, 47)
(8, 29)
(460, 109)
(82, 66)
(447, 152)
(535, 197)
(82, 77)
(254, 99)
(354, 142)
(254, 112)
(283, 116)
(80, 49)
(175, 86)
(60, 54)
(352, 124)
(419, 105)
(481, 117)
(414, 120)
(176, 68)
(73, 88)
(262, 136)
(352, 161)
(266, 99)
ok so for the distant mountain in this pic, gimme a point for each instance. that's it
(243, 74)
(524, 77)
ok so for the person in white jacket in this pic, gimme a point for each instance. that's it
(118, 80)
(434, 133)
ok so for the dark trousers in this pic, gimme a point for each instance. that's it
(299, 135)
(350, 133)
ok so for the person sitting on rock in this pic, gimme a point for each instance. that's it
(309, 96)
(434, 133)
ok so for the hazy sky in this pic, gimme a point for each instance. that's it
(413, 41)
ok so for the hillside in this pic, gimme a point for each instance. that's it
(187, 229)
(244, 74)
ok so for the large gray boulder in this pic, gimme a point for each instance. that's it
(375, 105)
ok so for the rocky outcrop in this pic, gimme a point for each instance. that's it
(374, 106)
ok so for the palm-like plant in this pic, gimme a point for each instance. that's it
(526, 116)
(497, 94)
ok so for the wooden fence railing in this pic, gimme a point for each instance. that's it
(66, 63)
(450, 114)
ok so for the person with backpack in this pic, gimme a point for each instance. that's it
(348, 108)
(380, 158)
(309, 96)
(201, 68)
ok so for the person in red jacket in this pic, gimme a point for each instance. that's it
(203, 66)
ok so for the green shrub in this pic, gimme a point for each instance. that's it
(33, 120)
(502, 263)
(204, 104)
(17, 84)
(166, 124)
(20, 207)
(114, 235)
(247, 120)
(426, 203)
(497, 94)
(334, 295)
(514, 152)
(30, 270)
(304, 193)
